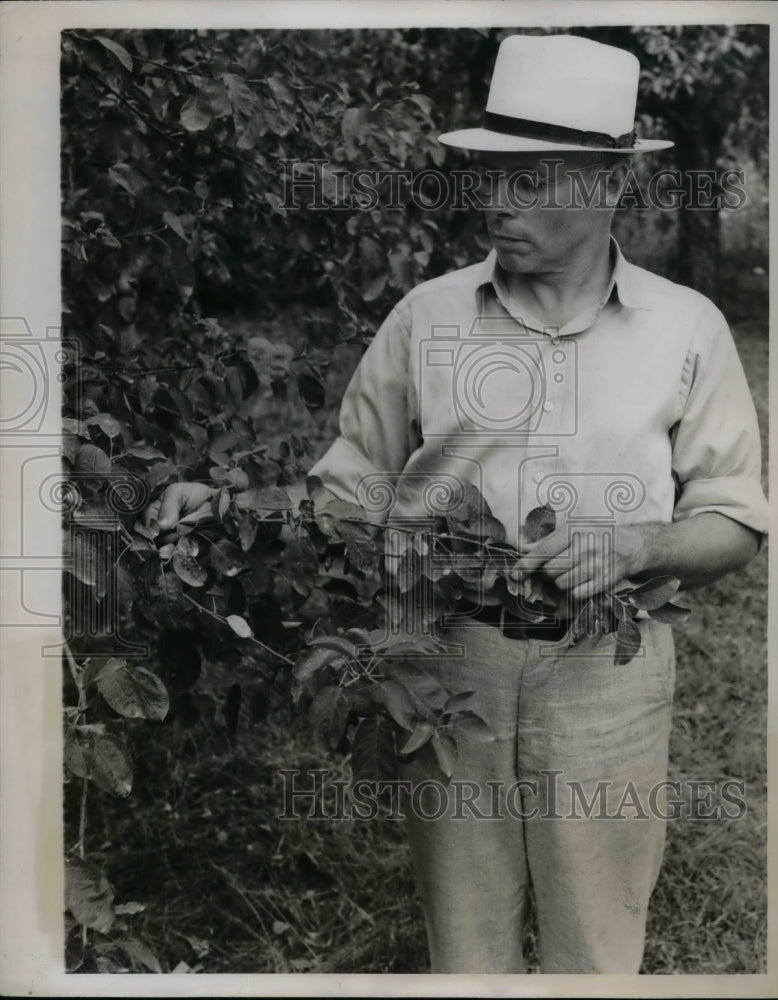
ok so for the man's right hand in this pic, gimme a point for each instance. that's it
(187, 502)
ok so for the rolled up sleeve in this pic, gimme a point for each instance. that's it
(377, 423)
(716, 446)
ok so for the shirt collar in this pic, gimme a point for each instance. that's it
(625, 278)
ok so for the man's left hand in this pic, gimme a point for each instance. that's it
(585, 561)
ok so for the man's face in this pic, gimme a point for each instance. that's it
(539, 217)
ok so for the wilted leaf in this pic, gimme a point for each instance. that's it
(89, 895)
(188, 569)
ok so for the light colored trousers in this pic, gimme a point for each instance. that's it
(575, 736)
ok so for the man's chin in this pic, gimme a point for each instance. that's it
(520, 259)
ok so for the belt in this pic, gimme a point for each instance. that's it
(514, 628)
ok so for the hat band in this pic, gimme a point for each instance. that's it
(528, 129)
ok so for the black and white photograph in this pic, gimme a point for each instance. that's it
(402, 433)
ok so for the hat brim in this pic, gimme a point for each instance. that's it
(497, 142)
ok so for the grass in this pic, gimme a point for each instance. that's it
(231, 887)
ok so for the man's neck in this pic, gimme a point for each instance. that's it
(557, 296)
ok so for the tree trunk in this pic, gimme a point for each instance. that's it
(699, 228)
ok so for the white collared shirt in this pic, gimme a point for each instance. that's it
(635, 410)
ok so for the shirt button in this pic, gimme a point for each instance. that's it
(548, 406)
(538, 477)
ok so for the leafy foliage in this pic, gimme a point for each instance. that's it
(175, 187)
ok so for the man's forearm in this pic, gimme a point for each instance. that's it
(697, 550)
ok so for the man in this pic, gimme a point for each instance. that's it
(555, 372)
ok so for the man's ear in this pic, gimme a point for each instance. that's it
(618, 172)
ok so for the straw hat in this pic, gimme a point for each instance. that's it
(559, 92)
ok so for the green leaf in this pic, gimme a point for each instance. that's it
(146, 452)
(460, 701)
(541, 521)
(421, 734)
(81, 559)
(426, 693)
(91, 460)
(172, 220)
(399, 704)
(267, 498)
(301, 564)
(128, 178)
(476, 728)
(239, 626)
(328, 715)
(109, 425)
(670, 614)
(374, 288)
(133, 692)
(89, 895)
(627, 642)
(310, 668)
(227, 559)
(78, 756)
(111, 765)
(119, 51)
(338, 643)
(128, 909)
(445, 748)
(196, 113)
(472, 517)
(311, 390)
(654, 593)
(373, 754)
(140, 952)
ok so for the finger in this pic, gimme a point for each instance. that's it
(151, 513)
(584, 591)
(181, 499)
(574, 576)
(536, 556)
(203, 513)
